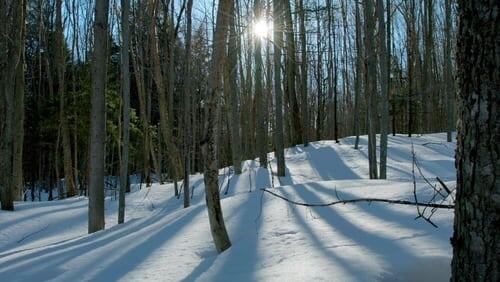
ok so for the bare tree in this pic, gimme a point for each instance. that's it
(358, 79)
(448, 75)
(125, 71)
(18, 123)
(303, 73)
(60, 63)
(233, 90)
(187, 104)
(11, 45)
(209, 146)
(278, 45)
(384, 87)
(97, 118)
(371, 86)
(260, 109)
(291, 75)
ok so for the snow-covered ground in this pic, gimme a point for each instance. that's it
(272, 239)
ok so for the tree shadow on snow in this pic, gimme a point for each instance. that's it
(35, 264)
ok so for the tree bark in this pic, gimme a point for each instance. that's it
(476, 240)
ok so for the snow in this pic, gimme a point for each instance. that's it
(272, 239)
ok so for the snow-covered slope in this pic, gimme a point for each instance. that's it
(272, 239)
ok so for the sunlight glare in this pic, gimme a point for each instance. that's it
(261, 29)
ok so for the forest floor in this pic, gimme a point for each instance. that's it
(272, 239)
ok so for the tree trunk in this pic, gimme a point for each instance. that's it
(357, 86)
(18, 134)
(187, 104)
(476, 240)
(125, 71)
(209, 147)
(303, 73)
(60, 63)
(259, 95)
(291, 73)
(278, 45)
(11, 45)
(448, 75)
(97, 118)
(371, 86)
(384, 78)
(233, 91)
(428, 75)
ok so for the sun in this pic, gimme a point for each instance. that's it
(261, 29)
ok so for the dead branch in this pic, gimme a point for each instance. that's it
(397, 202)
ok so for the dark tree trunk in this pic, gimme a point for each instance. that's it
(97, 118)
(476, 240)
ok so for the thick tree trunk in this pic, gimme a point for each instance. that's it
(11, 44)
(476, 240)
(209, 147)
(125, 71)
(97, 118)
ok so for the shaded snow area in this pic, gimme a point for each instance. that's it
(272, 239)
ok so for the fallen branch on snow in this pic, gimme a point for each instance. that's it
(397, 202)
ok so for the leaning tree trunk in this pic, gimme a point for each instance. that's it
(97, 118)
(209, 146)
(476, 240)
